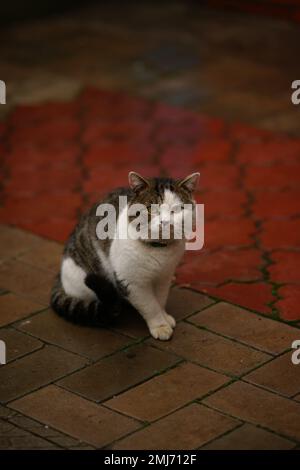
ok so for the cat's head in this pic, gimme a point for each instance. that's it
(166, 204)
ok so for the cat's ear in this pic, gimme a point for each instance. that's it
(137, 182)
(190, 182)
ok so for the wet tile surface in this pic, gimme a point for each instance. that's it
(178, 89)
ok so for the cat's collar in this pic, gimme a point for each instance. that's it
(158, 244)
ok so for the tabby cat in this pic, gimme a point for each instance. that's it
(99, 277)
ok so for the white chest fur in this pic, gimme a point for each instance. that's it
(139, 262)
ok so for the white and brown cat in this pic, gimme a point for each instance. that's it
(98, 277)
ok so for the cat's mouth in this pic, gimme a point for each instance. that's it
(163, 235)
(157, 244)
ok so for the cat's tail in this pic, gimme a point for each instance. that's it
(101, 311)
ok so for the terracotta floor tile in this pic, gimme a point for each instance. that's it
(279, 375)
(14, 307)
(47, 255)
(28, 281)
(5, 412)
(248, 437)
(93, 343)
(289, 304)
(280, 234)
(70, 414)
(46, 432)
(183, 302)
(35, 370)
(213, 268)
(167, 392)
(211, 350)
(258, 406)
(18, 344)
(287, 205)
(256, 296)
(274, 177)
(242, 325)
(118, 372)
(14, 438)
(14, 242)
(285, 267)
(230, 233)
(200, 425)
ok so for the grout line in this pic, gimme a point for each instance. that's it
(47, 438)
(235, 340)
(284, 436)
(255, 312)
(220, 436)
(132, 386)
(269, 390)
(51, 382)
(91, 361)
(260, 387)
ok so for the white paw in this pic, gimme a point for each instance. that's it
(162, 332)
(170, 320)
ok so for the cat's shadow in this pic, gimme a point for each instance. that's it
(130, 322)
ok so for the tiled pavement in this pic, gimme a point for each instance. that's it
(226, 377)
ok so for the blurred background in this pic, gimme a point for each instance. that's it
(226, 58)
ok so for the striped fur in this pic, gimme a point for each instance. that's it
(102, 295)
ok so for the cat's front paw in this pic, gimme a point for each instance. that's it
(170, 320)
(162, 332)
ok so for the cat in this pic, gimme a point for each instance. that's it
(99, 277)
